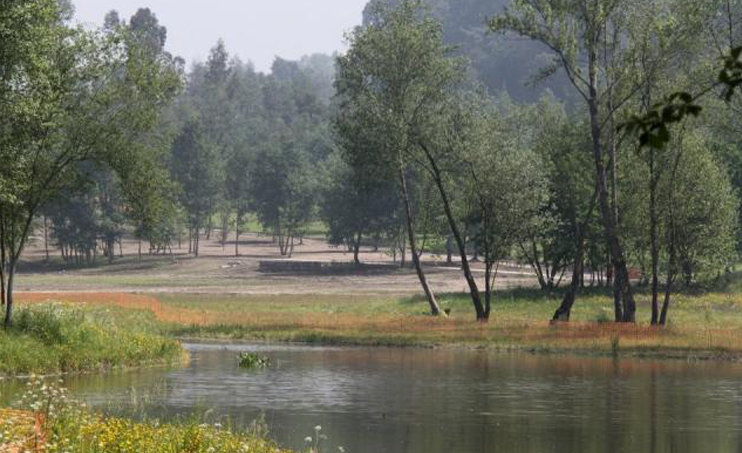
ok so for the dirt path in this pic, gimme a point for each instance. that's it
(218, 271)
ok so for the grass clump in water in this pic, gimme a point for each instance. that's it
(252, 360)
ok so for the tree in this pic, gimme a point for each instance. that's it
(507, 181)
(85, 97)
(283, 191)
(575, 32)
(147, 29)
(195, 166)
(389, 83)
(356, 204)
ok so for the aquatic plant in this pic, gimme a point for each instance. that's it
(252, 360)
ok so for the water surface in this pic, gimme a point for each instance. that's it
(429, 401)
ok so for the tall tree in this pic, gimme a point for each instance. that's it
(590, 42)
(85, 96)
(195, 166)
(389, 83)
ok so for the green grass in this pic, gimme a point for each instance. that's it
(54, 337)
(702, 325)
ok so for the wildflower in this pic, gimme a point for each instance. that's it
(318, 428)
(308, 439)
(341, 449)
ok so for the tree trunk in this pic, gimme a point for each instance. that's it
(655, 248)
(434, 307)
(198, 241)
(46, 240)
(564, 311)
(225, 230)
(357, 249)
(9, 295)
(624, 305)
(672, 264)
(449, 250)
(473, 289)
(533, 260)
(3, 262)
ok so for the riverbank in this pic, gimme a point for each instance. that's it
(51, 422)
(59, 336)
(702, 326)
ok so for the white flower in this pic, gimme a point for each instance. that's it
(341, 449)
(318, 428)
(308, 439)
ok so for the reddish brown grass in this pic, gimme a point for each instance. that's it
(412, 329)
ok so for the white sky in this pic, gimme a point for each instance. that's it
(254, 30)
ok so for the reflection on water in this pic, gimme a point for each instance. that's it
(411, 400)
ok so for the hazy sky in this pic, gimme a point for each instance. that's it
(255, 30)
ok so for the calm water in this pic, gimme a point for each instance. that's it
(428, 401)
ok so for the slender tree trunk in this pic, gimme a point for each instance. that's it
(46, 239)
(487, 289)
(9, 294)
(225, 230)
(197, 240)
(449, 250)
(473, 289)
(672, 265)
(624, 305)
(655, 248)
(535, 264)
(564, 311)
(434, 307)
(3, 262)
(357, 249)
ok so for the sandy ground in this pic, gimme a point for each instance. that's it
(218, 270)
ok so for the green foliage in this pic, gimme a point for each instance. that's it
(51, 338)
(195, 166)
(86, 96)
(252, 360)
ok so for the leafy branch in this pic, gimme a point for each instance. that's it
(653, 127)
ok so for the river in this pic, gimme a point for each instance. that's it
(440, 400)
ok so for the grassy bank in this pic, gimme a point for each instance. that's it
(54, 337)
(48, 421)
(707, 325)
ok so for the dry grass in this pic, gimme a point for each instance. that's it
(24, 431)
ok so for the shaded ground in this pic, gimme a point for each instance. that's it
(217, 270)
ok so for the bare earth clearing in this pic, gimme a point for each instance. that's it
(217, 270)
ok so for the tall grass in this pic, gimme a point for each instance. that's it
(51, 422)
(56, 337)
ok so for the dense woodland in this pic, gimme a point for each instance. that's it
(483, 130)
